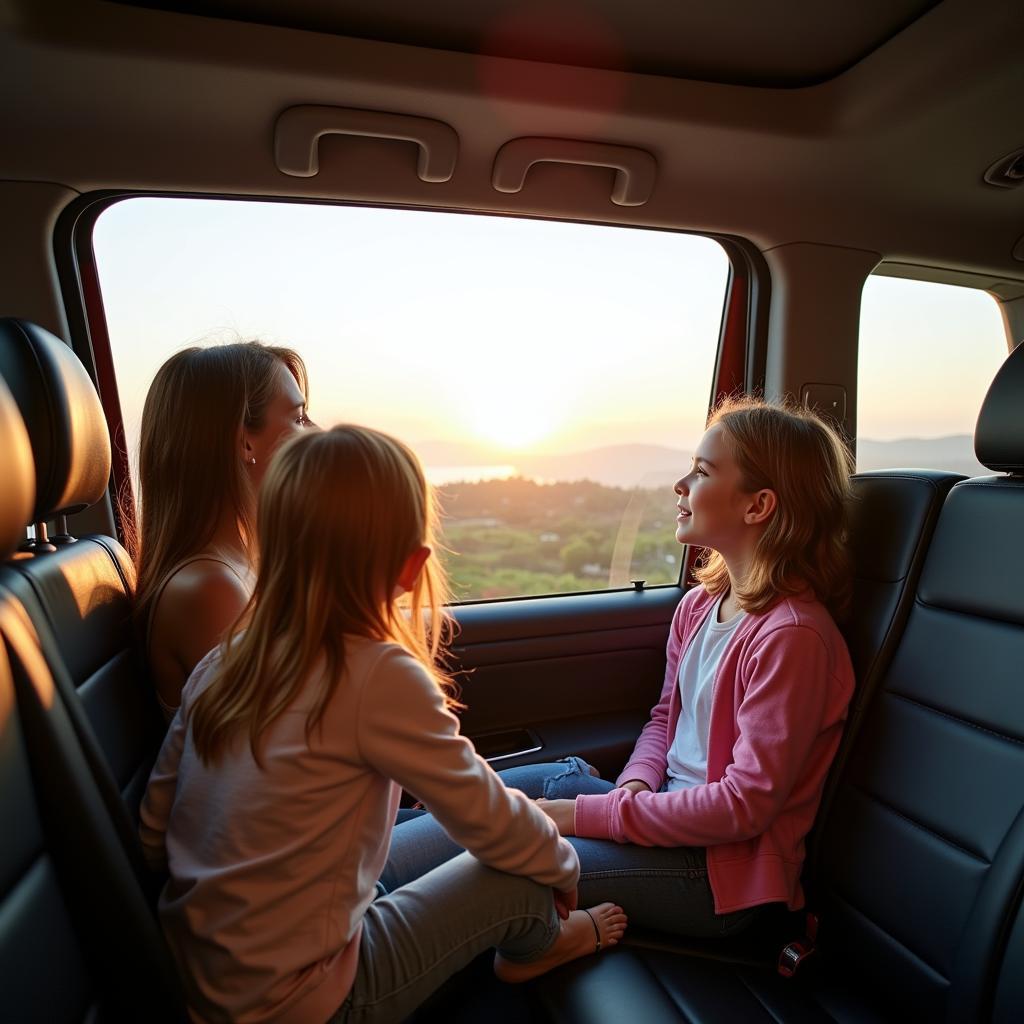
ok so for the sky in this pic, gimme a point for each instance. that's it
(506, 334)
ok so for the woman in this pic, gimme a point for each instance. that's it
(212, 419)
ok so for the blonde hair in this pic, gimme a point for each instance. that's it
(340, 512)
(795, 453)
(190, 466)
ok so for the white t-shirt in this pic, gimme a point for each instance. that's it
(688, 755)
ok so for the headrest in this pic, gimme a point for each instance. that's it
(999, 435)
(17, 472)
(63, 416)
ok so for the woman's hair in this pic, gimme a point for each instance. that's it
(795, 453)
(190, 464)
(340, 512)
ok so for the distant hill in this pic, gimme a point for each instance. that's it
(651, 465)
(954, 454)
(623, 465)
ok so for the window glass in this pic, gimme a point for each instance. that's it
(927, 355)
(553, 377)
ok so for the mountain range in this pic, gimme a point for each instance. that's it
(649, 465)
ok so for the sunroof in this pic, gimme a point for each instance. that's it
(783, 44)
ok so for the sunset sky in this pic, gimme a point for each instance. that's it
(511, 335)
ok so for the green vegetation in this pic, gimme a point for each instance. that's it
(510, 538)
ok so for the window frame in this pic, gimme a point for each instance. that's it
(739, 363)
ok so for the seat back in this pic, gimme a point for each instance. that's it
(922, 854)
(78, 592)
(892, 519)
(87, 720)
(35, 930)
(37, 939)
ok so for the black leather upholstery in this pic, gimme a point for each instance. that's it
(892, 519)
(89, 716)
(17, 472)
(43, 974)
(925, 843)
(1009, 994)
(998, 437)
(116, 930)
(63, 415)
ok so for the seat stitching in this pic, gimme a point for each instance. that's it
(986, 616)
(918, 825)
(956, 718)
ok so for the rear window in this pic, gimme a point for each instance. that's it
(552, 377)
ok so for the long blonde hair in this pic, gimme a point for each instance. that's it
(340, 512)
(795, 453)
(190, 467)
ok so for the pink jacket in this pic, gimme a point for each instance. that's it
(777, 713)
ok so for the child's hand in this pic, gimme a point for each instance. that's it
(562, 813)
(566, 902)
(636, 786)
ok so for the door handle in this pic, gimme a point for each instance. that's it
(298, 131)
(635, 169)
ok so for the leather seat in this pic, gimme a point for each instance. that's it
(87, 725)
(36, 935)
(78, 592)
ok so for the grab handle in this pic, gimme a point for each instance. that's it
(635, 169)
(298, 132)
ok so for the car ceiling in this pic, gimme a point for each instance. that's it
(747, 42)
(886, 153)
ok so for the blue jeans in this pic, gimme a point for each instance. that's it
(417, 937)
(665, 888)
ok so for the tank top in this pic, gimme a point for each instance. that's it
(165, 708)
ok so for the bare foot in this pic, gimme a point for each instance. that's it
(576, 937)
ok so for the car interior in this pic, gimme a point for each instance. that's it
(818, 144)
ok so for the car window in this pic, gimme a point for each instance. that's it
(553, 377)
(927, 354)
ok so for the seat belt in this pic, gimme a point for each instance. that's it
(795, 953)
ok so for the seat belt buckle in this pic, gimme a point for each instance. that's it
(794, 954)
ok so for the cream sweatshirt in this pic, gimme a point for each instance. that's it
(271, 870)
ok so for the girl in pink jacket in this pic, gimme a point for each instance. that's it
(708, 818)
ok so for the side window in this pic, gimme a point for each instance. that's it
(552, 377)
(927, 354)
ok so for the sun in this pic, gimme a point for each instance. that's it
(514, 418)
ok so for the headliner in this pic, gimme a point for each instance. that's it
(782, 43)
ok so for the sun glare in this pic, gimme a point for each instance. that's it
(513, 421)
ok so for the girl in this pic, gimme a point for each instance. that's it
(707, 820)
(212, 418)
(273, 795)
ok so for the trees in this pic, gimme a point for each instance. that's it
(518, 537)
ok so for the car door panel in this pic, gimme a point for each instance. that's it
(545, 678)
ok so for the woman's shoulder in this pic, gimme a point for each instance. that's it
(204, 583)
